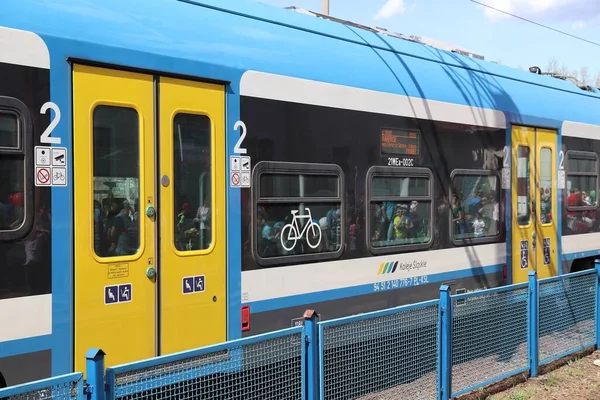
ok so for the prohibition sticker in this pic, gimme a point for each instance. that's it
(42, 176)
(51, 166)
(235, 179)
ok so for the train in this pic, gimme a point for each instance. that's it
(244, 163)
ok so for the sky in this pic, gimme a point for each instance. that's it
(496, 36)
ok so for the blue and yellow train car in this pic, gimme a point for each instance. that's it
(180, 173)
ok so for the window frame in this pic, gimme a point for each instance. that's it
(484, 240)
(295, 168)
(25, 151)
(585, 155)
(397, 172)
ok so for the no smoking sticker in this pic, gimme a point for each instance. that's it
(42, 176)
(235, 179)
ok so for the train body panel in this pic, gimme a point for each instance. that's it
(371, 133)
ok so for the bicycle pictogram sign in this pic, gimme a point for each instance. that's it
(291, 232)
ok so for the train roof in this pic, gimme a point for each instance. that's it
(212, 38)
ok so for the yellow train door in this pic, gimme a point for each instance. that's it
(192, 213)
(127, 222)
(534, 202)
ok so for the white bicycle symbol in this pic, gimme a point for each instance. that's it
(290, 234)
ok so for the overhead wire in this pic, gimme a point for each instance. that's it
(536, 23)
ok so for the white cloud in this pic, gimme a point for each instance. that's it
(579, 25)
(576, 11)
(390, 9)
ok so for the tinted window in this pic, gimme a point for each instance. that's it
(400, 186)
(116, 169)
(475, 206)
(12, 171)
(546, 185)
(582, 180)
(294, 185)
(298, 214)
(523, 186)
(12, 193)
(399, 211)
(581, 165)
(9, 130)
(192, 182)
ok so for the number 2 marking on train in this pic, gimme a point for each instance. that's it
(46, 138)
(506, 155)
(237, 148)
(561, 163)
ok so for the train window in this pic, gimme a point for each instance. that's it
(400, 209)
(291, 186)
(192, 182)
(475, 206)
(298, 212)
(523, 186)
(9, 130)
(582, 181)
(545, 185)
(16, 191)
(116, 168)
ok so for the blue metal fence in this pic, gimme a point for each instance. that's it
(394, 350)
(489, 336)
(269, 366)
(567, 307)
(64, 387)
(431, 350)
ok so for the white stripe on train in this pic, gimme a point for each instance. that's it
(25, 317)
(285, 88)
(272, 283)
(23, 48)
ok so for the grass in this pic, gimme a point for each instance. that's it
(577, 379)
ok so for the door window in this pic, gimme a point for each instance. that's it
(192, 182)
(116, 168)
(523, 186)
(546, 185)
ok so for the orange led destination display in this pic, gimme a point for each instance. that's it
(400, 141)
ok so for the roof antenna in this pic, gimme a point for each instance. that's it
(325, 7)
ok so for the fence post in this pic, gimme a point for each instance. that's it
(445, 366)
(311, 339)
(94, 367)
(597, 265)
(533, 324)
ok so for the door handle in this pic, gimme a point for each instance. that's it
(150, 211)
(150, 273)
